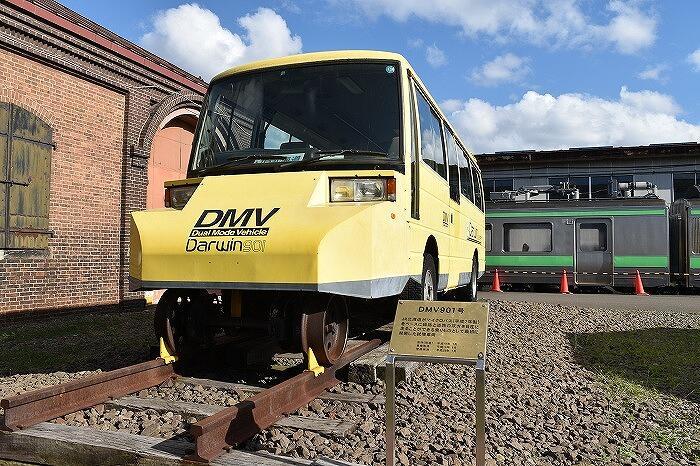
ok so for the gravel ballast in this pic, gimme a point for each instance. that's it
(550, 398)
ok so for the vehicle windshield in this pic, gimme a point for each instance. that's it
(271, 120)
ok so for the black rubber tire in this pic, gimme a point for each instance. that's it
(429, 275)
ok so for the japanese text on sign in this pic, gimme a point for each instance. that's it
(440, 329)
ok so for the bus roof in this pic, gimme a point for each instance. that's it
(336, 55)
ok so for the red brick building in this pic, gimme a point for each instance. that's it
(90, 127)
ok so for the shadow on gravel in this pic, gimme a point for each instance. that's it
(75, 342)
(663, 359)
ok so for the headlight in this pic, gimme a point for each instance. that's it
(363, 189)
(177, 196)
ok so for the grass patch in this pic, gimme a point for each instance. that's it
(76, 342)
(679, 435)
(624, 388)
(626, 452)
(640, 362)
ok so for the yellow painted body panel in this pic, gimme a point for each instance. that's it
(359, 249)
(309, 241)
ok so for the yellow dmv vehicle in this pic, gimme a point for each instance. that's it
(316, 181)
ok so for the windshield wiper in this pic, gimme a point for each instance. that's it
(233, 161)
(330, 153)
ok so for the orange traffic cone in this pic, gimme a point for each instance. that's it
(496, 285)
(564, 283)
(638, 286)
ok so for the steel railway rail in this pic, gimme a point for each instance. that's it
(212, 435)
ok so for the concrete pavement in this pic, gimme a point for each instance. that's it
(662, 303)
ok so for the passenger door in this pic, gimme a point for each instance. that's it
(594, 255)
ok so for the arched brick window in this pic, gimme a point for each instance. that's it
(25, 173)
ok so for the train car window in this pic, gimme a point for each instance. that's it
(593, 237)
(488, 237)
(431, 137)
(527, 237)
(465, 177)
(453, 155)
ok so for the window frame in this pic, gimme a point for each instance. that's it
(437, 116)
(579, 242)
(414, 134)
(506, 238)
(454, 196)
(393, 164)
(465, 156)
(482, 206)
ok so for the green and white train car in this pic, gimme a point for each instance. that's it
(599, 242)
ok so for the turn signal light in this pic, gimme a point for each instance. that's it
(362, 189)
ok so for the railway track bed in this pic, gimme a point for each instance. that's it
(148, 414)
(51, 443)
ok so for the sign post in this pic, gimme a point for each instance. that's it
(439, 332)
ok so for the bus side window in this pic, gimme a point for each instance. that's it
(478, 192)
(465, 176)
(453, 155)
(431, 137)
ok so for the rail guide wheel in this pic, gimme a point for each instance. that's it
(179, 320)
(324, 328)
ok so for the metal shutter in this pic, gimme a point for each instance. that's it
(25, 172)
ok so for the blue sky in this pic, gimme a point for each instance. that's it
(511, 74)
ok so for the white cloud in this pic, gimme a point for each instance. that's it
(451, 105)
(649, 101)
(544, 121)
(193, 38)
(630, 30)
(655, 73)
(502, 69)
(435, 57)
(415, 43)
(694, 59)
(543, 22)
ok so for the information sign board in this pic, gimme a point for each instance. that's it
(440, 332)
(440, 329)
